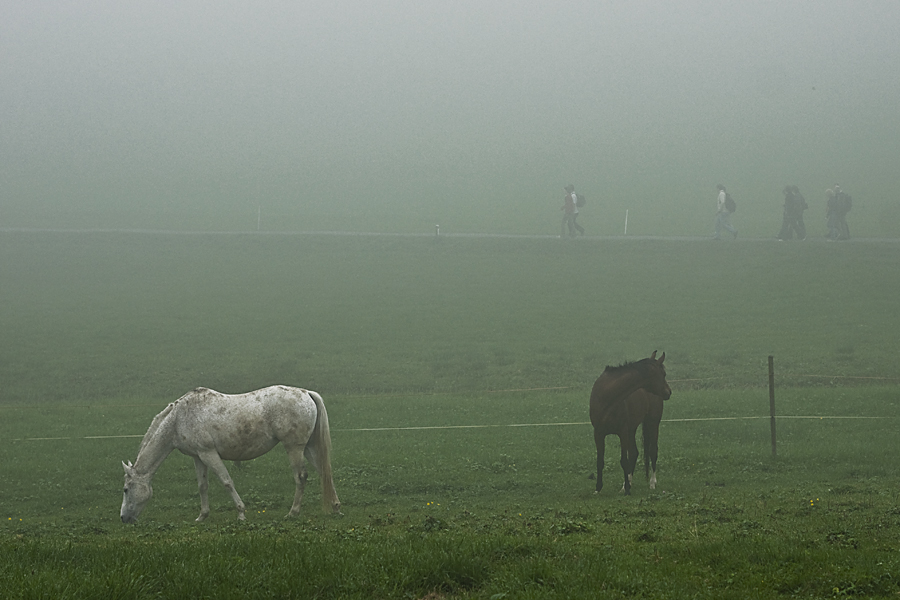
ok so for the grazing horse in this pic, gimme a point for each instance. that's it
(622, 398)
(212, 427)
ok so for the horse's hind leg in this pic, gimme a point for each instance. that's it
(295, 455)
(651, 451)
(623, 462)
(212, 460)
(628, 460)
(600, 442)
(203, 484)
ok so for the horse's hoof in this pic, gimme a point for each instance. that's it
(201, 518)
(241, 517)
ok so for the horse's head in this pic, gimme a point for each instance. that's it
(656, 372)
(136, 493)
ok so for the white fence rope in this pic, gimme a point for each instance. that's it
(447, 393)
(437, 427)
(434, 427)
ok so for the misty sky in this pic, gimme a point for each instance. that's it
(354, 106)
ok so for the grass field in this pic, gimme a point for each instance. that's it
(102, 330)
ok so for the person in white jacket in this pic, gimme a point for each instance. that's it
(723, 216)
(570, 213)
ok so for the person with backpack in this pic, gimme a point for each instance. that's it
(799, 225)
(570, 212)
(831, 215)
(792, 218)
(842, 202)
(724, 207)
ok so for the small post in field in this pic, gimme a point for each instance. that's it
(258, 216)
(626, 221)
(772, 399)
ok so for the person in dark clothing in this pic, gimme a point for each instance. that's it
(800, 206)
(842, 202)
(789, 216)
(831, 214)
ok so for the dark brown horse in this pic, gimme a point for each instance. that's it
(624, 397)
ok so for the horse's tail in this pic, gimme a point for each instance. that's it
(320, 445)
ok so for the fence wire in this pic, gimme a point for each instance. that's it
(450, 427)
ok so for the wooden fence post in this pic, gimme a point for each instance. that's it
(772, 400)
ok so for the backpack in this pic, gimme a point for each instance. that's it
(579, 202)
(730, 206)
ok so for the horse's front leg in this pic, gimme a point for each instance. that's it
(203, 485)
(212, 460)
(600, 442)
(295, 455)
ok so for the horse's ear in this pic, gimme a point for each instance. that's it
(653, 356)
(128, 467)
(661, 358)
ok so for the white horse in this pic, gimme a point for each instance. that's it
(212, 427)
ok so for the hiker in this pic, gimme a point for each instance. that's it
(799, 225)
(831, 211)
(570, 213)
(842, 202)
(724, 208)
(792, 217)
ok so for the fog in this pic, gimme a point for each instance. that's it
(396, 115)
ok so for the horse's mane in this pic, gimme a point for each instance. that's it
(635, 365)
(154, 425)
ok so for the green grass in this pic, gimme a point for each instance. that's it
(94, 316)
(102, 330)
(479, 512)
